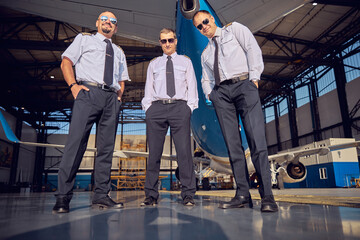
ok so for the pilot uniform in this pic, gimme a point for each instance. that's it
(163, 111)
(240, 62)
(100, 105)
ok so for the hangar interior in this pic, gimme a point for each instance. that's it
(309, 88)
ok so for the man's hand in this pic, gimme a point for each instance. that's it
(76, 89)
(256, 82)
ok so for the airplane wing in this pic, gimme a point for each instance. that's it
(293, 156)
(9, 134)
(130, 154)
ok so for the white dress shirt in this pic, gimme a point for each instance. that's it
(185, 81)
(239, 54)
(87, 53)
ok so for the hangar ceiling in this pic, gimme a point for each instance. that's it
(32, 84)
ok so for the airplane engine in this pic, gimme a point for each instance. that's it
(189, 8)
(293, 172)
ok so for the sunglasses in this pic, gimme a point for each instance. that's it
(205, 22)
(170, 40)
(105, 18)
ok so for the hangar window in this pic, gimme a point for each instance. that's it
(352, 62)
(323, 173)
(326, 82)
(302, 96)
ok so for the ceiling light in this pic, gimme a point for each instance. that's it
(52, 76)
(314, 3)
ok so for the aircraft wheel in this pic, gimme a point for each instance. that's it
(197, 184)
(206, 184)
(177, 173)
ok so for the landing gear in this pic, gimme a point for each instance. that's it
(206, 184)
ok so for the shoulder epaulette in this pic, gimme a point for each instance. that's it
(205, 49)
(86, 34)
(187, 57)
(229, 24)
(120, 48)
(153, 59)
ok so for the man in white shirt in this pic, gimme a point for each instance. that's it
(170, 97)
(231, 68)
(101, 72)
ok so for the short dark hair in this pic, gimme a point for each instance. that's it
(200, 11)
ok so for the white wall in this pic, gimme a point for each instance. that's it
(26, 160)
(329, 113)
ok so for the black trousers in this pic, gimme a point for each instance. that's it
(158, 118)
(89, 107)
(242, 98)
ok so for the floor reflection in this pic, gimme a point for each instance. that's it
(30, 217)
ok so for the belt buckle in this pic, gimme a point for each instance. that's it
(167, 101)
(105, 87)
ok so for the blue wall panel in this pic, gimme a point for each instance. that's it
(338, 175)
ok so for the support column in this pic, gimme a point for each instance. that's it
(314, 108)
(292, 119)
(16, 150)
(277, 127)
(340, 78)
(39, 160)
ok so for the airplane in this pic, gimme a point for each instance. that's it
(139, 20)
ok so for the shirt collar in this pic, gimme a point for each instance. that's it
(217, 33)
(172, 55)
(102, 37)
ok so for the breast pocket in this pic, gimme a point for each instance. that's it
(180, 73)
(228, 45)
(210, 61)
(118, 68)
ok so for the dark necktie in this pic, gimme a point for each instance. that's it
(216, 63)
(109, 63)
(170, 80)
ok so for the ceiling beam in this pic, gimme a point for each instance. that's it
(348, 3)
(58, 45)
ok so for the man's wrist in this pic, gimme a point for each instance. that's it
(71, 85)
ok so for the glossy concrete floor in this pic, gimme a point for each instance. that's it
(29, 216)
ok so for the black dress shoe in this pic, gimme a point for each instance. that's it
(188, 201)
(149, 201)
(61, 205)
(237, 202)
(106, 202)
(268, 204)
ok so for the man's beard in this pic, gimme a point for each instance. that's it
(106, 30)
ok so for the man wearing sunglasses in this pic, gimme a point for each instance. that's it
(170, 97)
(101, 70)
(231, 67)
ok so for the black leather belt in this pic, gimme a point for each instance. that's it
(101, 86)
(168, 101)
(235, 80)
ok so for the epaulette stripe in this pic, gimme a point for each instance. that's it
(120, 48)
(205, 49)
(229, 24)
(187, 57)
(153, 59)
(86, 33)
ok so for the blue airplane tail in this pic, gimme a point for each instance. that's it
(7, 130)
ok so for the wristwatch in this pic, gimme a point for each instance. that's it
(71, 85)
